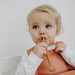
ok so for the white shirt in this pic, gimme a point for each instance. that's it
(30, 63)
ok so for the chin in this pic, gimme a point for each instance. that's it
(51, 43)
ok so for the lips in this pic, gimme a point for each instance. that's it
(43, 39)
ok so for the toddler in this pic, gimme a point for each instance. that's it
(45, 21)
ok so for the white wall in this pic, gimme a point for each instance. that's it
(14, 38)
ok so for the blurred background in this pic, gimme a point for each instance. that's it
(14, 35)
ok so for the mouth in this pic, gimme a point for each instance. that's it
(43, 39)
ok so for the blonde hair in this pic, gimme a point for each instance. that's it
(50, 10)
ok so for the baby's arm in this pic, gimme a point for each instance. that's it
(67, 53)
(69, 56)
(28, 64)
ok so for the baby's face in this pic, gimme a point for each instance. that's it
(42, 24)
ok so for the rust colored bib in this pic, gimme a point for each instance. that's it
(58, 61)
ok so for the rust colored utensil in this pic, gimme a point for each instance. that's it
(51, 66)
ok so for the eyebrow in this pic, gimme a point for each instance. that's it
(49, 23)
(34, 23)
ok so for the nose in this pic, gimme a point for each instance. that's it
(42, 32)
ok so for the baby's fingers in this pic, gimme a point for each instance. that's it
(58, 51)
(60, 47)
(43, 44)
(44, 50)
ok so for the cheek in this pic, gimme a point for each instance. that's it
(33, 34)
(35, 37)
(52, 34)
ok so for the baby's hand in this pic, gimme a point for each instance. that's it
(40, 49)
(60, 47)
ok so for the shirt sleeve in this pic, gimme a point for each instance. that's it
(69, 56)
(28, 64)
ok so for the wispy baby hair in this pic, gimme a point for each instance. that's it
(50, 10)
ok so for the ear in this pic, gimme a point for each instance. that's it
(57, 31)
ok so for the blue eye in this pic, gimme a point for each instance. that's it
(48, 26)
(35, 27)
